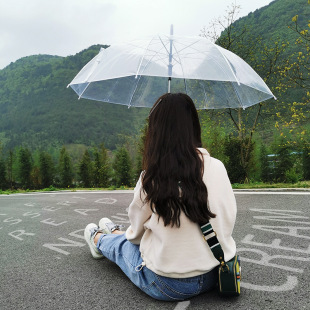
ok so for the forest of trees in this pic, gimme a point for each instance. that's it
(98, 167)
(25, 170)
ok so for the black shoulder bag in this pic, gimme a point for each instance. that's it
(229, 273)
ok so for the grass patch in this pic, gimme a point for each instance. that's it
(52, 188)
(253, 185)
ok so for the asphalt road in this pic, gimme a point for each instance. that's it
(46, 264)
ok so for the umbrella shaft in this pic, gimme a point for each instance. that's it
(170, 55)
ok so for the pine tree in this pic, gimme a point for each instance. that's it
(10, 161)
(85, 170)
(97, 168)
(46, 170)
(101, 168)
(65, 168)
(24, 167)
(3, 181)
(105, 168)
(122, 167)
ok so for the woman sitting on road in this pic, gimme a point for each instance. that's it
(163, 251)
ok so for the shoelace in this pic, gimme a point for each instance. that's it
(113, 226)
(94, 231)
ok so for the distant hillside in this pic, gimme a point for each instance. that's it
(38, 110)
(265, 41)
(271, 22)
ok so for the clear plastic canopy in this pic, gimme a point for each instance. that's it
(138, 72)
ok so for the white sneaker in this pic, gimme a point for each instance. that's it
(107, 226)
(89, 235)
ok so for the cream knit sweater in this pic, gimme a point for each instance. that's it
(182, 252)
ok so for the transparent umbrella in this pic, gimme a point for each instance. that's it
(138, 72)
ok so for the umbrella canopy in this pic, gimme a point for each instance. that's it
(138, 72)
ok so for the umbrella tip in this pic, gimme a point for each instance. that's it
(171, 30)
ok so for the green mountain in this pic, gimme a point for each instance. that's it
(37, 109)
(271, 22)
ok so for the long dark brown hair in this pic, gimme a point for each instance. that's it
(173, 168)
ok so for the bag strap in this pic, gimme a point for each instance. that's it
(211, 238)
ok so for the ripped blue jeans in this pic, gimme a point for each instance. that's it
(127, 256)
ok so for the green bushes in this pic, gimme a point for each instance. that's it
(306, 162)
(237, 171)
(266, 167)
(278, 161)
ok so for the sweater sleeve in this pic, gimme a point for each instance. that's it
(139, 212)
(221, 198)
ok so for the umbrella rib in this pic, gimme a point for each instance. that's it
(150, 50)
(110, 93)
(155, 54)
(163, 57)
(229, 65)
(167, 50)
(163, 45)
(180, 61)
(237, 94)
(139, 77)
(204, 91)
(84, 90)
(187, 46)
(185, 84)
(145, 50)
(94, 66)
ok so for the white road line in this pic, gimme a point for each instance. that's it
(108, 201)
(290, 284)
(272, 193)
(182, 305)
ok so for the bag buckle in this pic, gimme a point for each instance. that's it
(224, 267)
